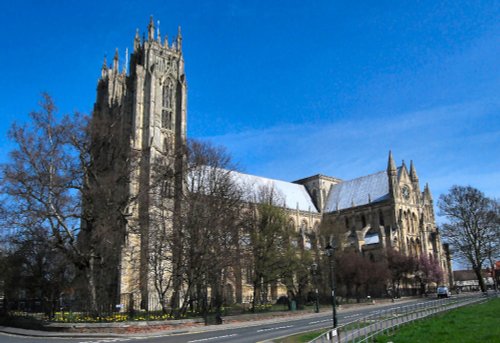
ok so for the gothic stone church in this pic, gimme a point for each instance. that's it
(149, 105)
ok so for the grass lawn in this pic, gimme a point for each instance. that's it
(477, 323)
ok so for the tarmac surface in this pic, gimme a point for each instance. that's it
(142, 329)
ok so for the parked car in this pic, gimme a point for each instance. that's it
(443, 292)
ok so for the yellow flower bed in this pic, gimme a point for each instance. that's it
(75, 317)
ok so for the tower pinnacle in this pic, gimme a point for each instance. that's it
(158, 35)
(137, 40)
(427, 191)
(104, 69)
(391, 166)
(115, 60)
(151, 29)
(125, 65)
(413, 172)
(179, 38)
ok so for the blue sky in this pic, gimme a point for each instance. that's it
(291, 88)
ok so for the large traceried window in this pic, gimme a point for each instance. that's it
(167, 94)
(167, 105)
(166, 119)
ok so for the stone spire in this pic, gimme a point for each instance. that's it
(104, 70)
(151, 29)
(179, 39)
(125, 65)
(392, 175)
(158, 34)
(137, 40)
(391, 166)
(165, 42)
(403, 167)
(427, 192)
(413, 172)
(115, 60)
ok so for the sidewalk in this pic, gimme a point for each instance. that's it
(144, 329)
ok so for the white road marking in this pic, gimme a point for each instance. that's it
(108, 340)
(276, 328)
(352, 315)
(211, 338)
(329, 320)
(320, 321)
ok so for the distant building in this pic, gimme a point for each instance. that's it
(496, 273)
(148, 106)
(466, 280)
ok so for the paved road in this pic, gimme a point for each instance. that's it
(249, 332)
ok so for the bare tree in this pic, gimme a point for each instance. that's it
(473, 226)
(271, 241)
(35, 272)
(212, 216)
(42, 182)
(160, 261)
(296, 274)
(54, 178)
(163, 256)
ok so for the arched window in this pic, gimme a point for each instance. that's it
(303, 226)
(381, 218)
(308, 245)
(363, 220)
(407, 221)
(167, 105)
(167, 95)
(346, 223)
(166, 119)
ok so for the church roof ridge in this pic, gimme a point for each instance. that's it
(323, 176)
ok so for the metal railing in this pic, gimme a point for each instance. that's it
(387, 321)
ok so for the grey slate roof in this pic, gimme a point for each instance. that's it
(295, 195)
(358, 192)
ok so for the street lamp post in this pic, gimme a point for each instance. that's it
(330, 252)
(314, 268)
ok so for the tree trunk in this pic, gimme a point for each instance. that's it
(256, 292)
(92, 287)
(480, 279)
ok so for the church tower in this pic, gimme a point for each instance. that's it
(146, 104)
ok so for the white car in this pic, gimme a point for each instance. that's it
(443, 292)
